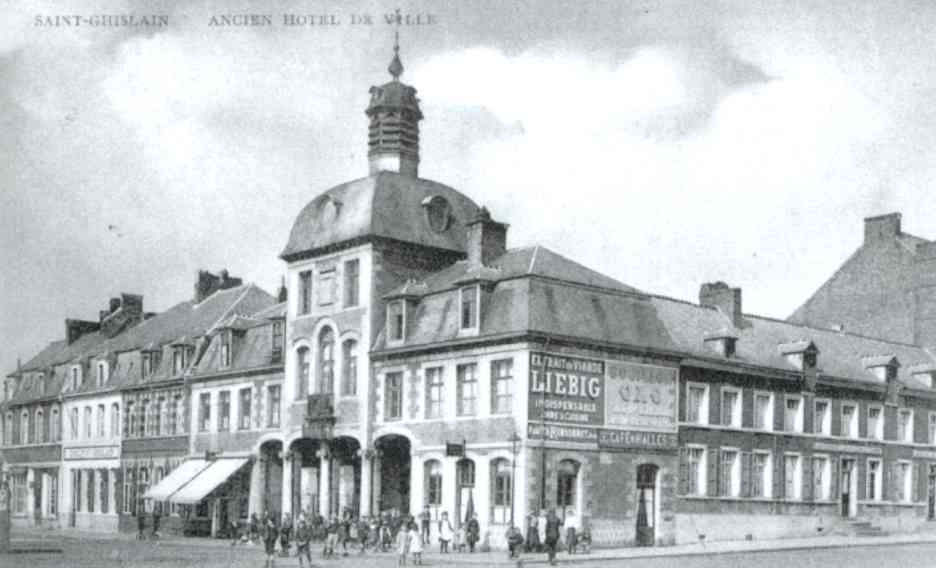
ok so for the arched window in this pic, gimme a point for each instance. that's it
(115, 421)
(87, 423)
(99, 430)
(465, 482)
(501, 491)
(55, 428)
(24, 427)
(302, 372)
(349, 367)
(8, 432)
(40, 422)
(433, 479)
(326, 354)
(567, 484)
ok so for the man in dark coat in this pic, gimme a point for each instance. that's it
(553, 524)
(473, 532)
(303, 540)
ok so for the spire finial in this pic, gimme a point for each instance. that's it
(396, 66)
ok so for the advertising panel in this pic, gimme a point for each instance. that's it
(567, 390)
(640, 397)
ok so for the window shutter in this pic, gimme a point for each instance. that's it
(747, 408)
(891, 488)
(835, 424)
(806, 479)
(862, 420)
(712, 473)
(779, 407)
(746, 458)
(835, 484)
(778, 469)
(861, 469)
(918, 486)
(683, 471)
(118, 489)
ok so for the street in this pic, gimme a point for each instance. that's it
(109, 551)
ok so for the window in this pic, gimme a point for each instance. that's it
(501, 494)
(326, 354)
(40, 380)
(147, 364)
(8, 430)
(763, 411)
(75, 377)
(875, 423)
(904, 481)
(393, 390)
(157, 417)
(874, 480)
(40, 423)
(115, 421)
(761, 475)
(277, 341)
(502, 386)
(695, 466)
(24, 427)
(273, 406)
(145, 423)
(793, 414)
(822, 418)
(55, 428)
(88, 423)
(730, 480)
(905, 425)
(53, 495)
(302, 372)
(89, 480)
(178, 413)
(131, 429)
(224, 412)
(326, 287)
(103, 490)
(225, 348)
(19, 492)
(349, 368)
(395, 321)
(73, 424)
(433, 473)
(469, 307)
(566, 482)
(101, 373)
(849, 420)
(204, 412)
(305, 292)
(792, 469)
(100, 421)
(697, 404)
(352, 270)
(932, 428)
(467, 392)
(244, 409)
(731, 407)
(434, 392)
(177, 360)
(821, 478)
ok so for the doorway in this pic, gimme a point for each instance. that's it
(848, 488)
(394, 470)
(646, 504)
(931, 494)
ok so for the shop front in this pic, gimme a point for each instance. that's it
(90, 488)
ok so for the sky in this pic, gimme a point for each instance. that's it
(666, 144)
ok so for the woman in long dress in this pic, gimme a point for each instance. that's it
(445, 532)
(415, 543)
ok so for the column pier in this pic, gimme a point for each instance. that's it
(324, 482)
(286, 501)
(366, 481)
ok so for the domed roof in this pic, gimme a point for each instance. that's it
(388, 205)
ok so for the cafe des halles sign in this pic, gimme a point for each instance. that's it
(614, 404)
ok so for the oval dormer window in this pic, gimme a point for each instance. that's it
(329, 209)
(438, 213)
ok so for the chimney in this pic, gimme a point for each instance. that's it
(125, 311)
(881, 228)
(725, 298)
(207, 284)
(281, 293)
(487, 239)
(76, 328)
(924, 295)
(114, 304)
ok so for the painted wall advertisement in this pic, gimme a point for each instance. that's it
(614, 404)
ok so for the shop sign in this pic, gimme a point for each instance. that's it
(567, 390)
(93, 453)
(924, 454)
(640, 396)
(562, 433)
(847, 449)
(637, 439)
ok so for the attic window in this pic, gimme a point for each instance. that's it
(396, 321)
(438, 213)
(147, 364)
(42, 384)
(277, 341)
(101, 373)
(226, 348)
(469, 307)
(75, 377)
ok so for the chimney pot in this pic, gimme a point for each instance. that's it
(881, 227)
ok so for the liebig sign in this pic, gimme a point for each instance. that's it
(640, 397)
(566, 390)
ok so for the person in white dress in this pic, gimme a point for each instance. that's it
(445, 532)
(415, 544)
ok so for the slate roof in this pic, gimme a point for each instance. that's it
(386, 204)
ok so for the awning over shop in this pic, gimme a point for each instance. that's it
(176, 479)
(207, 480)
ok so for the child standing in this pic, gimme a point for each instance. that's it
(445, 533)
(416, 543)
(403, 545)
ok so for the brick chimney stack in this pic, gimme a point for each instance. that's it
(487, 239)
(725, 298)
(208, 283)
(881, 228)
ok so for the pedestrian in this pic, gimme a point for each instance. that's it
(270, 534)
(156, 517)
(553, 524)
(331, 538)
(141, 522)
(445, 533)
(254, 528)
(514, 541)
(472, 532)
(303, 540)
(416, 543)
(374, 532)
(403, 545)
(344, 534)
(571, 524)
(424, 519)
(532, 538)
(386, 533)
(541, 530)
(458, 539)
(285, 534)
(233, 532)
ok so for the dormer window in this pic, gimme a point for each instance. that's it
(802, 355)
(352, 278)
(305, 292)
(722, 343)
(179, 359)
(101, 373)
(40, 379)
(226, 348)
(277, 341)
(147, 365)
(469, 307)
(883, 367)
(396, 320)
(75, 377)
